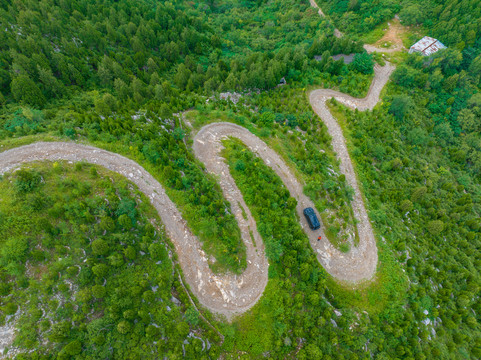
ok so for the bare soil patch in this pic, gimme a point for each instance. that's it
(391, 40)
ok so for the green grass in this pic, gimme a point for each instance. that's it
(10, 143)
(244, 214)
(374, 35)
(251, 234)
(385, 294)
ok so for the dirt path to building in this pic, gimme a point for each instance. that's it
(228, 294)
(392, 37)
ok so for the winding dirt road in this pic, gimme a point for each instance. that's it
(228, 294)
(361, 261)
(234, 294)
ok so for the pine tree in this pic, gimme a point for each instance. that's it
(25, 90)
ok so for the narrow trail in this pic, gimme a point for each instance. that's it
(391, 35)
(313, 3)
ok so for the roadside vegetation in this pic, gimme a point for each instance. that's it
(297, 293)
(417, 159)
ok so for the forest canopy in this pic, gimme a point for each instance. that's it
(85, 269)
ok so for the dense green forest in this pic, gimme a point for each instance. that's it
(84, 267)
(454, 22)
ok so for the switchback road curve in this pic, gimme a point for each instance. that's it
(234, 294)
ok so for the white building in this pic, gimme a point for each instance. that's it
(427, 46)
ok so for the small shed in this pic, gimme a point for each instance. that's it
(346, 58)
(427, 46)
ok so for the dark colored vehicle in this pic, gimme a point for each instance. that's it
(311, 218)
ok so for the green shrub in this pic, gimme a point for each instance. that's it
(27, 180)
(405, 206)
(363, 63)
(435, 227)
(99, 291)
(100, 247)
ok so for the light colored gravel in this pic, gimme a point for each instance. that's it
(7, 335)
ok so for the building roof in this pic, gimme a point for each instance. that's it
(427, 46)
(347, 58)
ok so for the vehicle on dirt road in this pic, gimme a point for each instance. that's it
(311, 218)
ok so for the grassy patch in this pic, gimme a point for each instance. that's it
(10, 143)
(386, 293)
(244, 214)
(375, 34)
